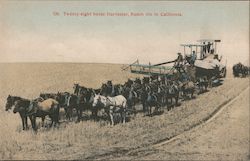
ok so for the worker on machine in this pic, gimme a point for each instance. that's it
(193, 58)
(216, 56)
(179, 62)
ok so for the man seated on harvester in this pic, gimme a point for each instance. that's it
(179, 62)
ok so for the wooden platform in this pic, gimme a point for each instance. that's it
(150, 70)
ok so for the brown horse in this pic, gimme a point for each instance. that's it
(35, 109)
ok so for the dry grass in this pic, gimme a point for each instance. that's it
(90, 139)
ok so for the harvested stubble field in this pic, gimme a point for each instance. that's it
(89, 139)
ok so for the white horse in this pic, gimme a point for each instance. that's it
(112, 105)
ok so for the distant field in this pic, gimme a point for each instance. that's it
(90, 139)
(29, 79)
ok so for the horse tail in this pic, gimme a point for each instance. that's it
(56, 111)
(124, 103)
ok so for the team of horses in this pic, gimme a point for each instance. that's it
(153, 93)
(240, 70)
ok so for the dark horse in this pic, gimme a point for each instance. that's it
(172, 91)
(62, 99)
(82, 101)
(78, 89)
(75, 102)
(202, 83)
(23, 103)
(89, 98)
(143, 97)
(107, 89)
(132, 98)
(240, 69)
(152, 101)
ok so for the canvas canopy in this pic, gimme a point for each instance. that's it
(209, 64)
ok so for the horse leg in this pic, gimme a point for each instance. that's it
(26, 122)
(147, 110)
(79, 114)
(52, 120)
(176, 100)
(124, 115)
(33, 122)
(94, 112)
(66, 113)
(57, 115)
(210, 83)
(164, 100)
(144, 108)
(167, 103)
(22, 118)
(70, 111)
(134, 110)
(24, 128)
(200, 89)
(111, 117)
(160, 107)
(43, 118)
(171, 102)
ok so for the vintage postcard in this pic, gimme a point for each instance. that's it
(124, 80)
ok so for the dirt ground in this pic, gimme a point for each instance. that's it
(226, 137)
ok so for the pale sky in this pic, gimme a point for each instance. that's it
(31, 33)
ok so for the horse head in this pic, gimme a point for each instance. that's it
(62, 98)
(138, 81)
(81, 99)
(150, 96)
(92, 96)
(97, 91)
(109, 83)
(19, 107)
(9, 103)
(103, 89)
(120, 89)
(96, 100)
(76, 88)
(11, 100)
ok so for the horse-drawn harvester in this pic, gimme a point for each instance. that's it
(207, 65)
(201, 62)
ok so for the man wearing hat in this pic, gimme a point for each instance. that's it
(193, 57)
(178, 61)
